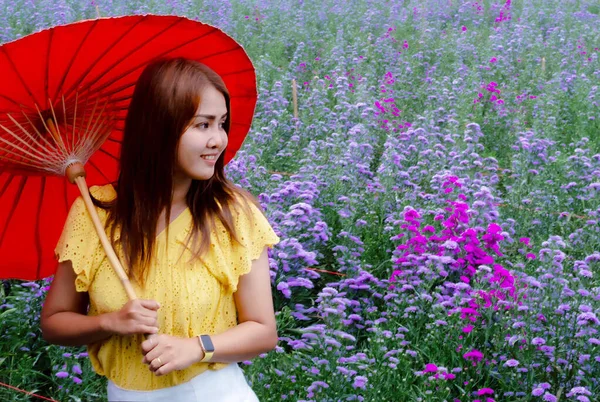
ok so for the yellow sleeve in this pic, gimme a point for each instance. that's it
(254, 233)
(79, 243)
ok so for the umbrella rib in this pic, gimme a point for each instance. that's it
(238, 72)
(220, 53)
(109, 154)
(66, 195)
(125, 73)
(73, 58)
(32, 163)
(48, 155)
(113, 65)
(92, 134)
(99, 171)
(11, 214)
(11, 101)
(41, 159)
(12, 65)
(46, 80)
(38, 240)
(6, 184)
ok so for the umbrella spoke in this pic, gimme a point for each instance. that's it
(38, 158)
(38, 232)
(16, 71)
(11, 214)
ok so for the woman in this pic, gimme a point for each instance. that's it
(196, 246)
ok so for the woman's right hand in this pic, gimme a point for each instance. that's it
(138, 316)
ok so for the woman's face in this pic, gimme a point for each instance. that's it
(205, 140)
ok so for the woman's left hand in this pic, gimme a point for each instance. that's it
(166, 353)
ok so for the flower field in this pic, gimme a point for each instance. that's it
(436, 189)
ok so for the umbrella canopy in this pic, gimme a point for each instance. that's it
(80, 78)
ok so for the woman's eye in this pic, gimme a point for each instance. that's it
(202, 125)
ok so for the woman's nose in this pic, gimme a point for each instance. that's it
(217, 139)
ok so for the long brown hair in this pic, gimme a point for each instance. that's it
(164, 102)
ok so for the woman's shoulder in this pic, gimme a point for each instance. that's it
(103, 193)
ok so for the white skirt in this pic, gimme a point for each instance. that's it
(224, 385)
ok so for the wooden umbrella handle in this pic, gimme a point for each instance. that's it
(110, 252)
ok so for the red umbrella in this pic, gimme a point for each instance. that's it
(63, 99)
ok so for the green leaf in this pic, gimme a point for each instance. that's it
(7, 312)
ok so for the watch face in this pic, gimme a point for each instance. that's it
(207, 342)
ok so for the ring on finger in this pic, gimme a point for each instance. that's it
(160, 363)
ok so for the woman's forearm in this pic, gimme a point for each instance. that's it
(243, 342)
(74, 329)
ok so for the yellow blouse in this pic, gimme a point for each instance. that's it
(194, 298)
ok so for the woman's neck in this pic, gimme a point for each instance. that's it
(181, 186)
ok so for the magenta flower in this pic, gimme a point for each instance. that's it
(525, 240)
(485, 391)
(493, 60)
(463, 28)
(430, 368)
(474, 355)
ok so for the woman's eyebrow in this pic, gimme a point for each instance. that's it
(209, 116)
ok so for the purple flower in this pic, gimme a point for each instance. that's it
(62, 374)
(360, 382)
(537, 392)
(511, 363)
(538, 341)
(77, 369)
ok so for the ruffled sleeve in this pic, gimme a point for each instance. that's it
(80, 243)
(254, 233)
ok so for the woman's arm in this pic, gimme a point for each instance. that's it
(63, 319)
(256, 332)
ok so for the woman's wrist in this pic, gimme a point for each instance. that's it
(105, 321)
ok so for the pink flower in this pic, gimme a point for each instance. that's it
(493, 60)
(525, 240)
(484, 391)
(430, 368)
(467, 329)
(474, 355)
(530, 256)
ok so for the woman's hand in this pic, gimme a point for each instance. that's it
(166, 353)
(138, 316)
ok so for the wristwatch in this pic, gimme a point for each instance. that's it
(207, 347)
